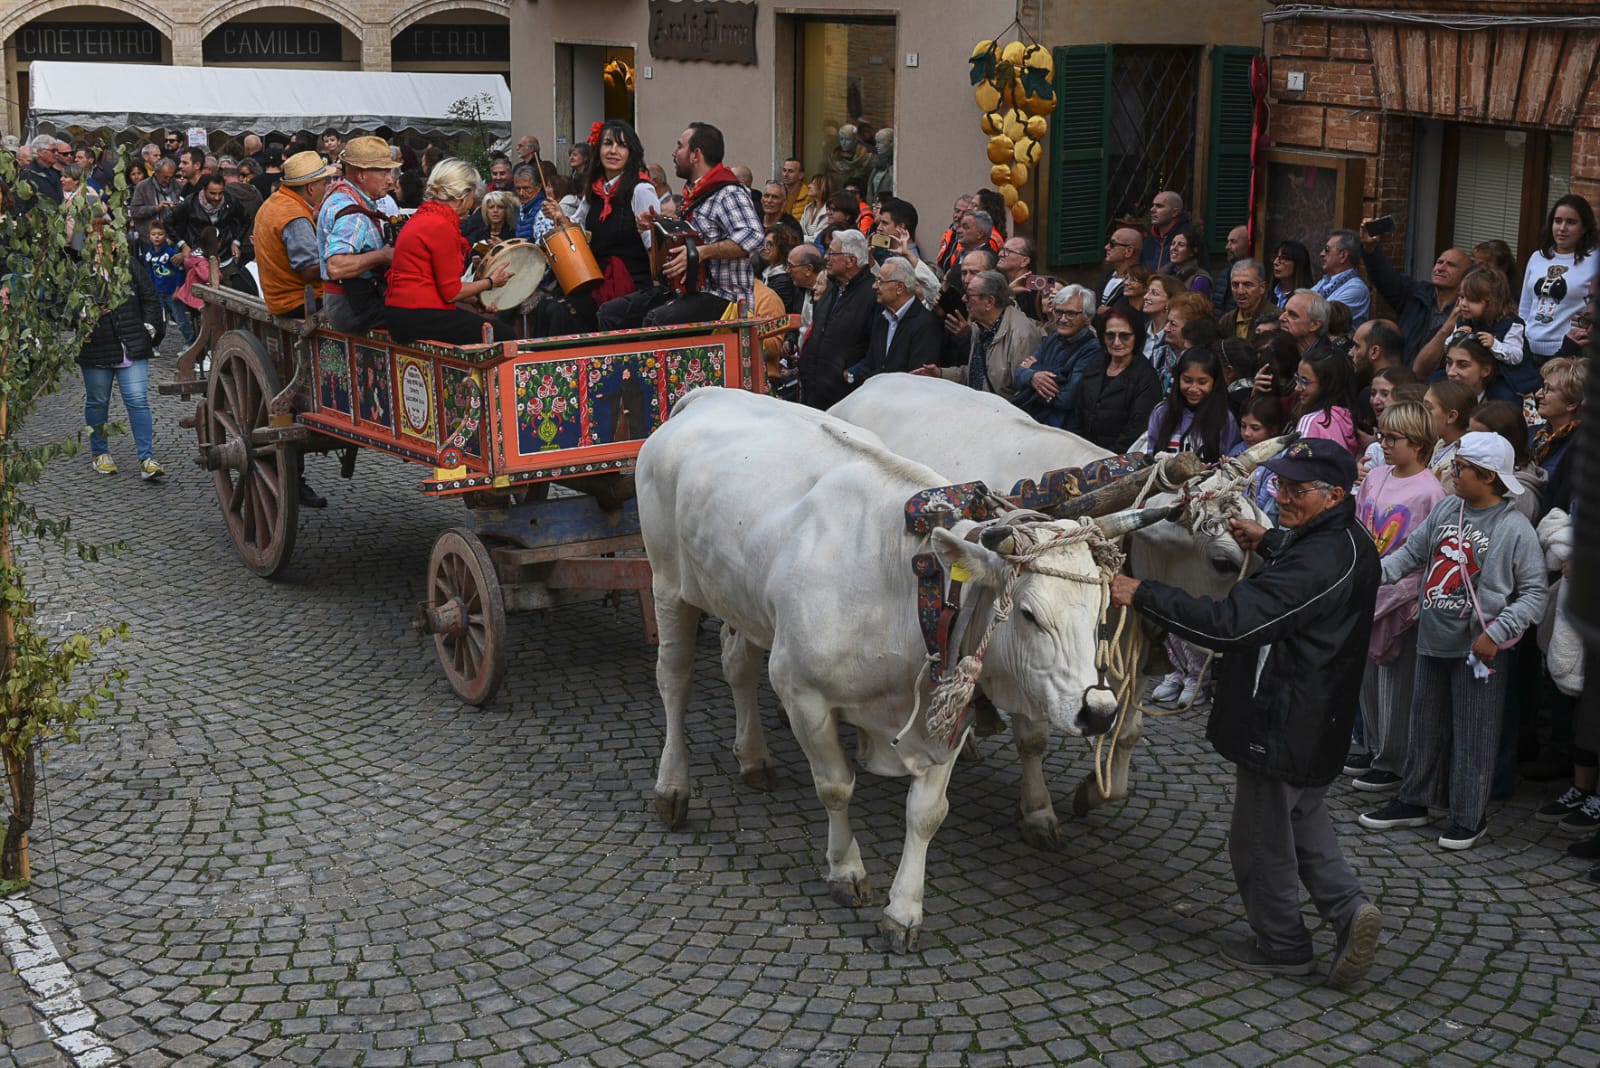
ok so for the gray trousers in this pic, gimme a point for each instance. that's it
(1455, 734)
(1386, 706)
(1281, 837)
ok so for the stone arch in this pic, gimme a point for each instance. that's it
(439, 7)
(137, 8)
(336, 12)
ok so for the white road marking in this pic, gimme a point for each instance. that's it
(66, 1019)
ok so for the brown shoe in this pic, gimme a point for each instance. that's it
(1358, 945)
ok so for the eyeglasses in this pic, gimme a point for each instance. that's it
(1119, 244)
(1279, 256)
(1298, 492)
(835, 252)
(1458, 466)
(1390, 439)
(1064, 313)
(1301, 382)
(1118, 335)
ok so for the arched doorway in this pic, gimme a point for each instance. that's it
(75, 33)
(462, 40)
(286, 37)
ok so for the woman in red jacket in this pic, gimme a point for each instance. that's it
(429, 258)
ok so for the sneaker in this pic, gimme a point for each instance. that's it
(105, 464)
(1358, 763)
(1358, 944)
(1586, 820)
(1562, 807)
(1395, 814)
(1459, 837)
(1189, 696)
(1377, 780)
(149, 469)
(1166, 691)
(1244, 954)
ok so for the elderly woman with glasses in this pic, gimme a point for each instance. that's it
(1048, 381)
(1119, 392)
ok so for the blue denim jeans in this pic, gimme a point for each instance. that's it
(134, 383)
(179, 313)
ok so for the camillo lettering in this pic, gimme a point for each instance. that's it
(249, 41)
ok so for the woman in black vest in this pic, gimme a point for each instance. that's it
(617, 190)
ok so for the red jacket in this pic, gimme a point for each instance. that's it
(429, 259)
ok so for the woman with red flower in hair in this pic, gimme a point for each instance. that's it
(616, 190)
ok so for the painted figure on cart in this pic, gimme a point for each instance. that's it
(376, 392)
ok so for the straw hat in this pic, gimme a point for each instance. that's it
(303, 168)
(368, 154)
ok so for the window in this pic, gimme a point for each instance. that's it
(845, 72)
(1489, 186)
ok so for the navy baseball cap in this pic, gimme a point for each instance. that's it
(1314, 460)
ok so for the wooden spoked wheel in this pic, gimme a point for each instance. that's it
(466, 614)
(257, 485)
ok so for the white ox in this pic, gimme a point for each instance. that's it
(971, 435)
(788, 524)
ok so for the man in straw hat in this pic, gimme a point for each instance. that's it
(286, 235)
(354, 255)
(1293, 643)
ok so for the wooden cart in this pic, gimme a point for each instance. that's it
(494, 424)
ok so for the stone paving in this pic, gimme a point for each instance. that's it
(293, 845)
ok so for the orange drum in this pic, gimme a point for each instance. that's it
(568, 252)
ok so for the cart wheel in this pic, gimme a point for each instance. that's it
(466, 615)
(257, 486)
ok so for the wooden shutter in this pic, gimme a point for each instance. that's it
(1079, 129)
(1232, 120)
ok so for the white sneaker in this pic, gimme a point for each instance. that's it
(1189, 695)
(1166, 691)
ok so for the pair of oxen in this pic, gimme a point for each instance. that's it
(788, 524)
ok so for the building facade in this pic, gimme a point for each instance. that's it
(784, 76)
(403, 35)
(1464, 122)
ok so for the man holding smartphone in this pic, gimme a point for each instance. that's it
(1420, 307)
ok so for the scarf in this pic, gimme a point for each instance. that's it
(710, 182)
(1544, 439)
(603, 189)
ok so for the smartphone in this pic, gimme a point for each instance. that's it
(1383, 224)
(882, 241)
(952, 300)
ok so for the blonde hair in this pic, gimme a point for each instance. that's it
(451, 179)
(1411, 421)
(1566, 377)
(508, 203)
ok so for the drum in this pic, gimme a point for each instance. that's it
(527, 265)
(568, 252)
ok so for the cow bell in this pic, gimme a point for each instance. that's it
(1126, 522)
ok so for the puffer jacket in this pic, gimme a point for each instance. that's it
(1292, 641)
(121, 330)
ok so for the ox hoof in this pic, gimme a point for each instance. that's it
(1042, 833)
(762, 778)
(852, 894)
(900, 939)
(1087, 798)
(673, 808)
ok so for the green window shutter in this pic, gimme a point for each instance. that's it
(1079, 131)
(1232, 119)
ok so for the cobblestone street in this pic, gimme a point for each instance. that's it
(293, 845)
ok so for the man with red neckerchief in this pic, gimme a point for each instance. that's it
(719, 208)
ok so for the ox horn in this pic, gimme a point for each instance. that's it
(1120, 523)
(1251, 458)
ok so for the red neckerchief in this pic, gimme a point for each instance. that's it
(599, 189)
(710, 182)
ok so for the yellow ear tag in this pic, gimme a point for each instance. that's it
(960, 572)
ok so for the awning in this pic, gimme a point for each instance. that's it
(237, 100)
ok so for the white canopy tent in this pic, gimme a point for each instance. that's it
(236, 100)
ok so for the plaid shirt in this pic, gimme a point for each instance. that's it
(729, 214)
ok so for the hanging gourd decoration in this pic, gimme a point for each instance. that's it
(1012, 84)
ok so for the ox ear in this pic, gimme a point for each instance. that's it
(971, 562)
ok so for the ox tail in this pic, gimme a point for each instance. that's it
(865, 442)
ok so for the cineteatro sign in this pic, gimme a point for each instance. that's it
(273, 42)
(124, 42)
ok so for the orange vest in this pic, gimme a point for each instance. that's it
(281, 285)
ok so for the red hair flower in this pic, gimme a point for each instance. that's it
(594, 132)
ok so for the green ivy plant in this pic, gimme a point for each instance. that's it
(50, 299)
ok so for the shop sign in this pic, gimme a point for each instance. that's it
(437, 41)
(709, 31)
(114, 42)
(273, 42)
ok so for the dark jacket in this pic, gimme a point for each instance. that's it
(121, 330)
(917, 341)
(1113, 410)
(1292, 641)
(42, 181)
(189, 218)
(1156, 252)
(1416, 309)
(1068, 361)
(841, 326)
